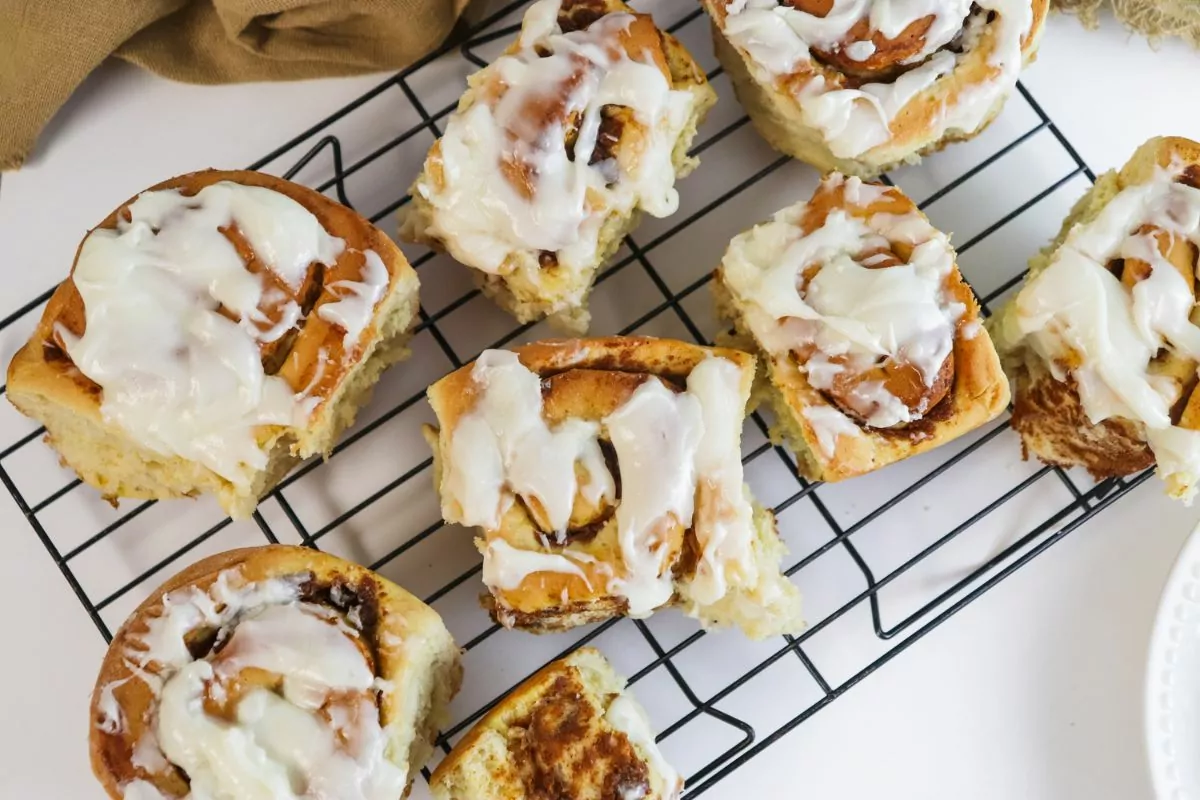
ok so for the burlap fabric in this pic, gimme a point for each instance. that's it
(47, 47)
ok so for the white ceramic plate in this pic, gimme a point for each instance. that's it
(1173, 681)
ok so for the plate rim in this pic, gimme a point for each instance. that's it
(1171, 598)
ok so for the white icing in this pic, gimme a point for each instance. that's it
(308, 741)
(725, 528)
(312, 654)
(111, 718)
(184, 610)
(1077, 312)
(629, 718)
(539, 23)
(478, 213)
(656, 434)
(355, 306)
(307, 399)
(860, 51)
(777, 41)
(506, 567)
(179, 377)
(828, 424)
(860, 315)
(148, 754)
(508, 445)
(281, 747)
(671, 447)
(270, 753)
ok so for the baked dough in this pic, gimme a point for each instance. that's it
(873, 344)
(325, 662)
(1102, 340)
(504, 190)
(144, 449)
(572, 730)
(862, 86)
(605, 478)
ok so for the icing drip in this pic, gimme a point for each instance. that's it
(355, 306)
(511, 183)
(679, 459)
(656, 434)
(111, 718)
(179, 376)
(506, 567)
(829, 423)
(723, 520)
(1091, 327)
(779, 41)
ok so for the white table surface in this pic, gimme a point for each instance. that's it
(1034, 691)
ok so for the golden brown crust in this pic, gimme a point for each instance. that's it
(1049, 417)
(553, 292)
(45, 384)
(776, 115)
(406, 638)
(556, 742)
(1048, 413)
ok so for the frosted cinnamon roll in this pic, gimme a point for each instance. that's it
(873, 344)
(214, 330)
(573, 730)
(273, 672)
(605, 478)
(860, 86)
(1103, 340)
(555, 150)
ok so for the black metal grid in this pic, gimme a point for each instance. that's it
(1085, 502)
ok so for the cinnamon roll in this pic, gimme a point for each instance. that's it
(872, 341)
(555, 150)
(275, 672)
(860, 86)
(605, 477)
(573, 730)
(214, 330)
(1103, 340)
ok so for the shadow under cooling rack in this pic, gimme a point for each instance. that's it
(881, 560)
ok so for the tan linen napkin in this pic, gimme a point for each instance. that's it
(1154, 18)
(47, 47)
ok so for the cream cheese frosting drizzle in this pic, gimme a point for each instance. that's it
(355, 307)
(516, 160)
(1089, 327)
(779, 41)
(180, 376)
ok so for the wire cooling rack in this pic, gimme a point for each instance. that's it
(882, 559)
